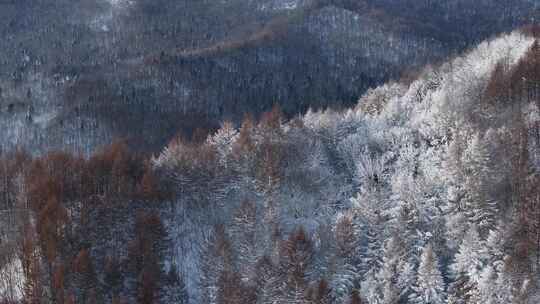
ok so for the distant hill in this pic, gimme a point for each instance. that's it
(74, 74)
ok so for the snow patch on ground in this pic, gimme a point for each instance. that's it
(104, 22)
(120, 3)
(11, 281)
(280, 5)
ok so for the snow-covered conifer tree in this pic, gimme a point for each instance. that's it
(480, 208)
(429, 287)
(396, 274)
(467, 266)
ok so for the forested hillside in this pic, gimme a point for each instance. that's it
(426, 191)
(75, 74)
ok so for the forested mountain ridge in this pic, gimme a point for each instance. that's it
(76, 74)
(425, 192)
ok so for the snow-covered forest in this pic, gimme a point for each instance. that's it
(427, 191)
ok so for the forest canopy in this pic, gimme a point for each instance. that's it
(426, 192)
